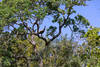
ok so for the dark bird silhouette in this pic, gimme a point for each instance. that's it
(42, 31)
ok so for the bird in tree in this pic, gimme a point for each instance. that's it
(42, 31)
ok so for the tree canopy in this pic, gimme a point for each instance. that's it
(26, 40)
(29, 14)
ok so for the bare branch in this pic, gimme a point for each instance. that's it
(47, 42)
(70, 28)
(25, 24)
(36, 23)
(60, 26)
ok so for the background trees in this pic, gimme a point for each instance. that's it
(93, 47)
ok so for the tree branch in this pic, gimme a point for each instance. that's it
(60, 26)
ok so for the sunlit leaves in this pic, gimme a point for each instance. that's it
(93, 45)
(93, 37)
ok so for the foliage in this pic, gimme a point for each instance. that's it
(93, 49)
(28, 45)
(22, 13)
(15, 52)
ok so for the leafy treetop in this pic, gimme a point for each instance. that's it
(28, 15)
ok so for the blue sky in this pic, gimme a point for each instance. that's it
(91, 12)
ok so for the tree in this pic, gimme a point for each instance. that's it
(23, 20)
(22, 13)
(93, 47)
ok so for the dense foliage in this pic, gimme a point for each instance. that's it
(26, 40)
(28, 16)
